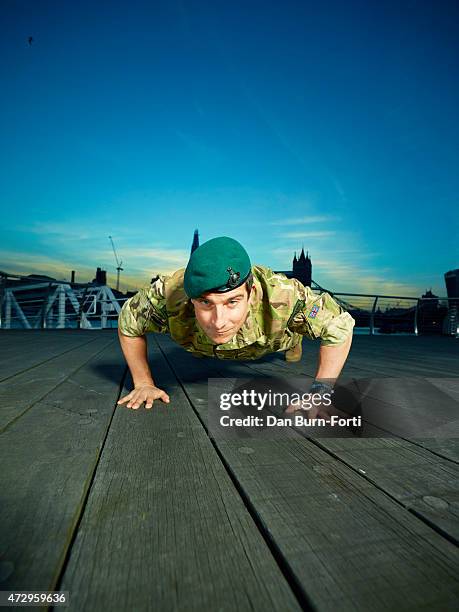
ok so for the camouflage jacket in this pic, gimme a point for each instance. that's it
(281, 311)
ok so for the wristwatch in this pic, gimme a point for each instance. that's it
(320, 387)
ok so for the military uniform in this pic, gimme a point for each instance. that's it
(282, 310)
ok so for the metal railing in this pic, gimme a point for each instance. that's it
(385, 314)
(33, 303)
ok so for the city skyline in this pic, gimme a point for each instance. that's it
(329, 127)
(297, 271)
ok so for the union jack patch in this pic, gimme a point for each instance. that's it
(313, 313)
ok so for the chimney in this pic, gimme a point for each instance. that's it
(73, 276)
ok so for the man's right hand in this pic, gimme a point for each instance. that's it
(144, 393)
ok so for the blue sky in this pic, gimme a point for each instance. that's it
(332, 125)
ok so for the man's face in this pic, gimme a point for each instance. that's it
(221, 315)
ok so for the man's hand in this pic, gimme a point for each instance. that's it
(319, 404)
(315, 412)
(144, 393)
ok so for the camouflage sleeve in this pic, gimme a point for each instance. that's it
(320, 316)
(145, 311)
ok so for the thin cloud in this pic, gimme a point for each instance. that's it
(74, 230)
(319, 234)
(16, 262)
(349, 270)
(304, 220)
(353, 278)
(178, 256)
(65, 231)
(24, 264)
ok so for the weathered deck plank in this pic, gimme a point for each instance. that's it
(426, 404)
(434, 356)
(381, 356)
(421, 481)
(20, 392)
(22, 350)
(163, 519)
(344, 539)
(48, 458)
(166, 514)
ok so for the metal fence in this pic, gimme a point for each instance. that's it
(388, 314)
(32, 303)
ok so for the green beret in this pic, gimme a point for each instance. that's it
(218, 265)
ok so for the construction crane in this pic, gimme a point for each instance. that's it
(118, 264)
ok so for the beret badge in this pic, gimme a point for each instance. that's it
(233, 279)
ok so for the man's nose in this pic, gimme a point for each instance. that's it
(219, 318)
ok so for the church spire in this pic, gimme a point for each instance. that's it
(302, 268)
(195, 244)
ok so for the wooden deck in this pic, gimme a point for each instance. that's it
(143, 510)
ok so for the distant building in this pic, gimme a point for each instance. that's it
(430, 314)
(301, 269)
(101, 277)
(432, 302)
(451, 325)
(452, 284)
